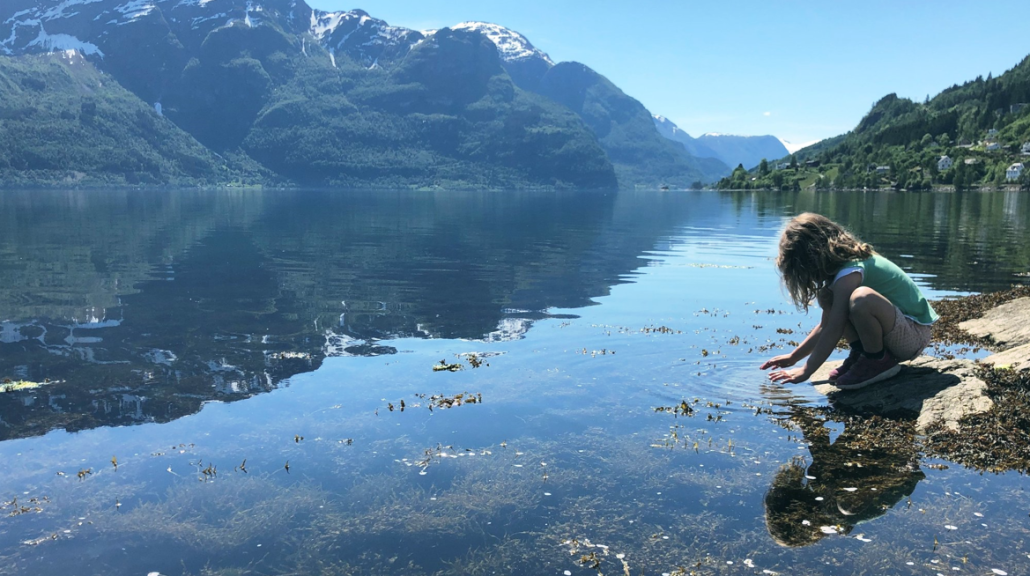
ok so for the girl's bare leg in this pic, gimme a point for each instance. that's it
(871, 316)
(825, 300)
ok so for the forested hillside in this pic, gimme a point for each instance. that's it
(62, 122)
(981, 126)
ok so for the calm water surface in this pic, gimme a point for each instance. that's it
(260, 366)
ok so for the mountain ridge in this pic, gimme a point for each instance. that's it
(728, 148)
(218, 69)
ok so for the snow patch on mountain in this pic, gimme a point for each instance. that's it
(359, 35)
(510, 44)
(62, 42)
(58, 11)
(196, 22)
(669, 125)
(792, 148)
(325, 23)
(135, 9)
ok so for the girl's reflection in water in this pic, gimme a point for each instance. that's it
(858, 476)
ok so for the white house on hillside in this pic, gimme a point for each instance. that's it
(944, 164)
(1014, 171)
(1026, 147)
(993, 146)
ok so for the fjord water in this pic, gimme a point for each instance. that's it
(240, 382)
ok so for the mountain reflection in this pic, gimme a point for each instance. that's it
(141, 306)
(971, 241)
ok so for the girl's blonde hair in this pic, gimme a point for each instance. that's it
(813, 249)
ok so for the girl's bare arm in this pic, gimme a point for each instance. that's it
(830, 330)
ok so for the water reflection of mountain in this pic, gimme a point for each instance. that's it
(968, 242)
(143, 306)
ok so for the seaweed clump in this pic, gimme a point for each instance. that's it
(954, 311)
(994, 441)
(9, 385)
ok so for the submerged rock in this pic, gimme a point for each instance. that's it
(931, 389)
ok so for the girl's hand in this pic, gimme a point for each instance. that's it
(789, 376)
(783, 361)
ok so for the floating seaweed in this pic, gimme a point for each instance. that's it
(443, 366)
(681, 409)
(478, 359)
(33, 505)
(659, 330)
(441, 401)
(996, 440)
(9, 385)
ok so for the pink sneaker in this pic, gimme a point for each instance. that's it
(839, 371)
(867, 371)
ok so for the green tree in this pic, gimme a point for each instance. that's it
(763, 167)
(794, 162)
(944, 140)
(961, 180)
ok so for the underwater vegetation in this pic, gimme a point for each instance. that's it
(672, 457)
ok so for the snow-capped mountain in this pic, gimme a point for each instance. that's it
(87, 25)
(363, 38)
(512, 46)
(32, 26)
(234, 74)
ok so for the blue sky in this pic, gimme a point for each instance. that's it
(799, 70)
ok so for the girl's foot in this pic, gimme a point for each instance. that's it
(839, 371)
(868, 371)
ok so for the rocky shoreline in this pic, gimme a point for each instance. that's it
(973, 412)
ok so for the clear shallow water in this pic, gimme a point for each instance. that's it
(190, 331)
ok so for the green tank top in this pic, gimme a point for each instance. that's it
(885, 277)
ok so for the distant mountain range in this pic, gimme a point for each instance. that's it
(273, 92)
(730, 150)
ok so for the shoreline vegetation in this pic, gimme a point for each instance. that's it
(976, 135)
(825, 181)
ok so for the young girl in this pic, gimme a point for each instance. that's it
(864, 297)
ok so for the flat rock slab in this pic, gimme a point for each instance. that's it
(1006, 325)
(935, 390)
(1017, 358)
